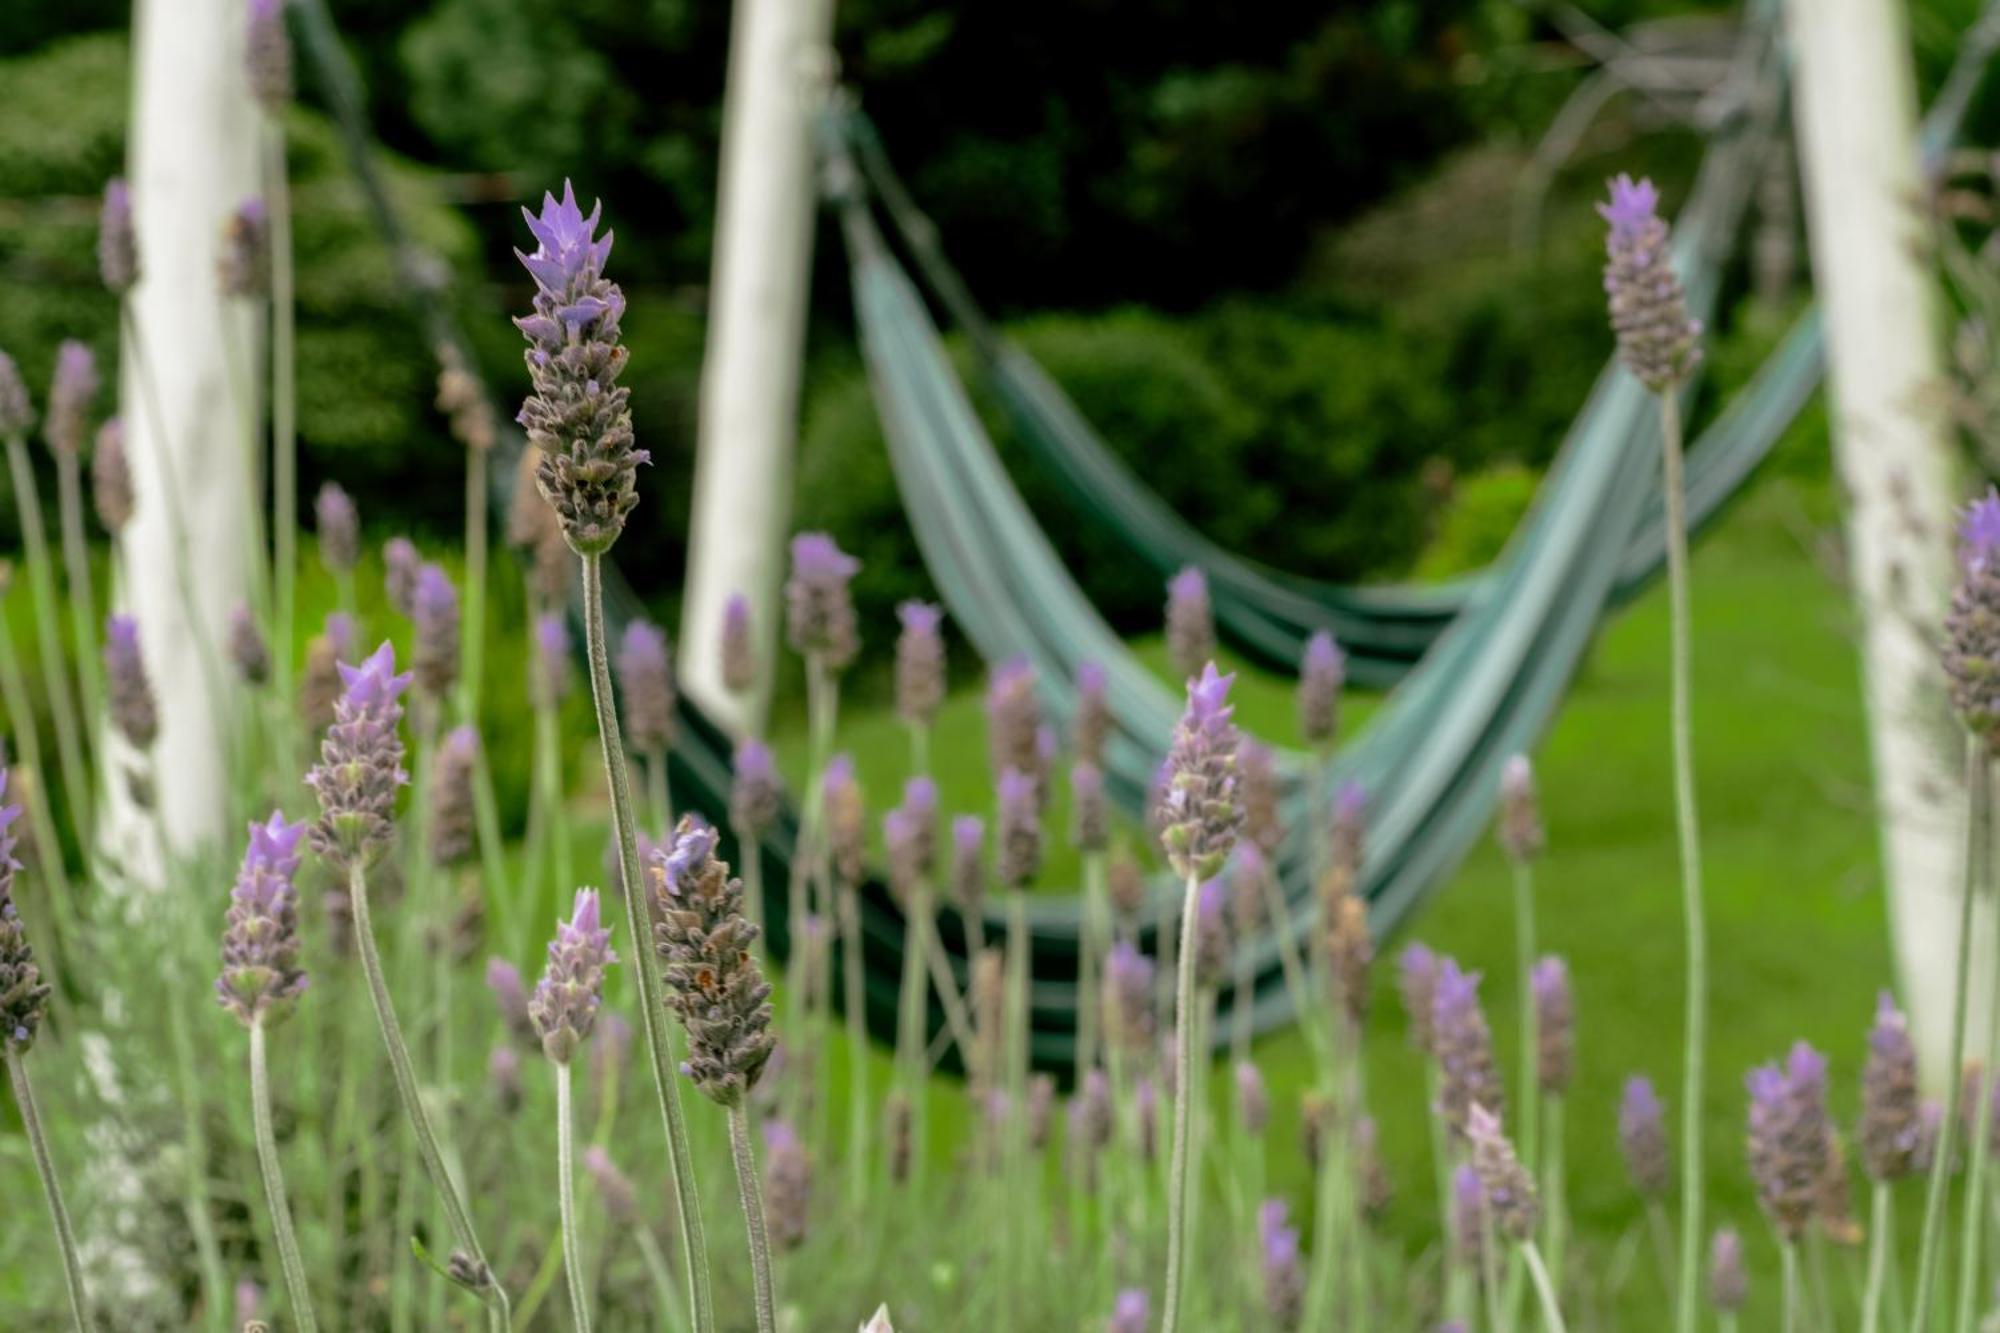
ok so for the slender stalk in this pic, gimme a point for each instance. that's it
(1788, 1255)
(1687, 820)
(82, 599)
(752, 1198)
(48, 638)
(45, 1167)
(1663, 1243)
(293, 1266)
(956, 1019)
(639, 921)
(14, 694)
(1489, 1274)
(1297, 982)
(472, 625)
(1545, 1288)
(284, 403)
(408, 1093)
(572, 1245)
(853, 1010)
(671, 1305)
(910, 997)
(657, 801)
(1978, 847)
(1181, 1172)
(1095, 942)
(1972, 1250)
(750, 852)
(1524, 968)
(215, 1283)
(1555, 1188)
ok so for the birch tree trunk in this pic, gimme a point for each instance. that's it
(1855, 109)
(779, 61)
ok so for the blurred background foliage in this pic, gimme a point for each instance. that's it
(1265, 243)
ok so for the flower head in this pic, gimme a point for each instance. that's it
(361, 761)
(260, 938)
(819, 602)
(434, 609)
(845, 818)
(1322, 676)
(1416, 981)
(1014, 718)
(339, 529)
(646, 685)
(129, 692)
(1972, 625)
(1131, 1312)
(552, 654)
(1020, 857)
(1642, 1137)
(1788, 1128)
(1728, 1284)
(1253, 1102)
(739, 651)
(1257, 773)
(1511, 1199)
(968, 865)
(401, 566)
(1284, 1268)
(1090, 724)
(1657, 340)
(1200, 808)
(453, 826)
(755, 794)
(919, 663)
(1090, 816)
(910, 831)
(248, 653)
(1350, 952)
(243, 267)
(1891, 1118)
(72, 391)
(1521, 834)
(267, 54)
(713, 981)
(17, 413)
(1190, 622)
(23, 993)
(1128, 998)
(117, 243)
(1555, 1025)
(787, 1184)
(110, 477)
(1463, 1048)
(564, 1005)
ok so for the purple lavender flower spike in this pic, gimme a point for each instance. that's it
(1416, 980)
(1728, 1284)
(267, 54)
(1041, 1109)
(1212, 943)
(1125, 886)
(1657, 340)
(1190, 623)
(453, 824)
(510, 996)
(1350, 827)
(1972, 625)
(919, 663)
(1521, 835)
(610, 1049)
(1128, 999)
(17, 413)
(24, 996)
(129, 692)
(1788, 1129)
(1891, 1118)
(910, 831)
(361, 762)
(1463, 1047)
(1090, 725)
(117, 242)
(110, 477)
(564, 1005)
(739, 648)
(1146, 1111)
(1090, 817)
(712, 978)
(621, 1197)
(434, 609)
(260, 938)
(578, 414)
(1013, 717)
(72, 391)
(503, 1077)
(1510, 1192)
(339, 529)
(401, 566)
(968, 867)
(1253, 1103)
(243, 267)
(1201, 808)
(1555, 1026)
(1020, 856)
(1642, 1138)
(1247, 871)
(846, 820)
(756, 792)
(787, 1185)
(1284, 1269)
(1131, 1312)
(1096, 1118)
(1322, 676)
(248, 653)
(1468, 1215)
(1257, 773)
(819, 602)
(646, 686)
(552, 654)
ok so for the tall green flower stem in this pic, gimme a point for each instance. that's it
(1687, 821)
(854, 1012)
(822, 705)
(1555, 1188)
(14, 694)
(284, 402)
(639, 921)
(548, 786)
(1297, 981)
(1978, 851)
(957, 1020)
(1545, 1288)
(1524, 968)
(45, 1167)
(250, 418)
(82, 599)
(912, 1010)
(752, 1199)
(1182, 1170)
(750, 851)
(572, 1244)
(1096, 943)
(456, 1216)
(658, 797)
(290, 1263)
(472, 624)
(1788, 1257)
(1972, 1251)
(48, 639)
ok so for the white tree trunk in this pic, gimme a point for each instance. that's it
(1855, 108)
(779, 60)
(192, 158)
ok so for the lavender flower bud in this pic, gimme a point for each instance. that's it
(739, 651)
(1146, 1112)
(968, 867)
(621, 1199)
(1090, 817)
(1322, 676)
(610, 1051)
(1349, 831)
(129, 697)
(1091, 723)
(361, 762)
(117, 244)
(1213, 946)
(1317, 1118)
(249, 1301)
(243, 266)
(1930, 1120)
(564, 1005)
(110, 477)
(1094, 1114)
(1201, 807)
(646, 683)
(1128, 999)
(339, 529)
(401, 568)
(248, 653)
(1013, 718)
(1656, 338)
(319, 679)
(1376, 1191)
(819, 603)
(845, 815)
(1521, 834)
(452, 822)
(910, 831)
(71, 394)
(462, 398)
(1125, 886)
(919, 663)
(787, 1185)
(1417, 975)
(1891, 1120)
(1728, 1284)
(1972, 625)
(1190, 623)
(1253, 1103)
(17, 414)
(511, 997)
(1834, 1208)
(713, 981)
(1468, 1215)
(267, 54)
(23, 993)
(260, 938)
(756, 793)
(1463, 1048)
(1510, 1193)
(578, 414)
(1788, 1138)
(1642, 1138)
(1042, 1109)
(1555, 1025)
(1247, 872)
(1020, 829)
(1130, 1313)
(551, 665)
(1257, 774)
(1284, 1270)
(1349, 954)
(434, 609)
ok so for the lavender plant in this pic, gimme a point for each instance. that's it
(646, 684)
(66, 428)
